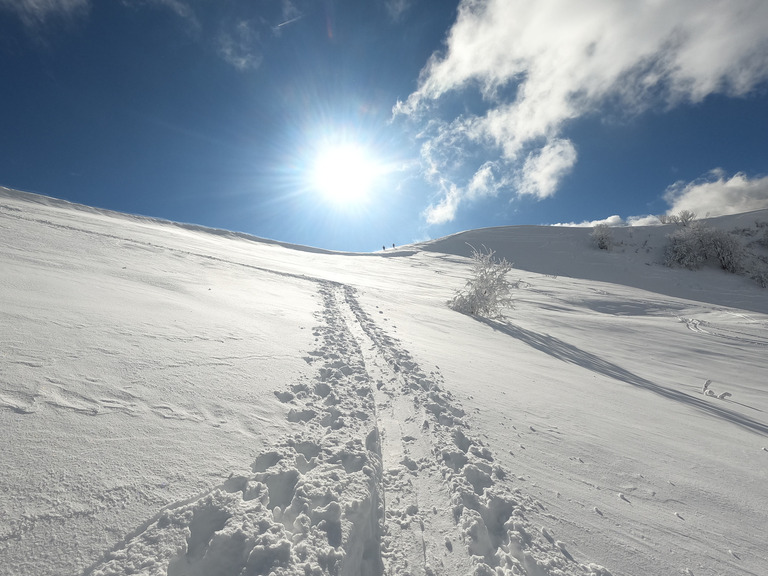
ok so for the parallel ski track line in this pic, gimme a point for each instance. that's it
(438, 478)
(416, 496)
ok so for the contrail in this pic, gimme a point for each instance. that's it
(291, 21)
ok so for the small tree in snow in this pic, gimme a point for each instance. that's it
(487, 292)
(683, 218)
(601, 236)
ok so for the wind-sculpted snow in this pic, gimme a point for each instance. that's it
(380, 455)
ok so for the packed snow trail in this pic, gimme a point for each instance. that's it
(441, 481)
(381, 476)
(309, 505)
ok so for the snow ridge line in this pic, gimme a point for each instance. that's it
(309, 505)
(160, 247)
(494, 520)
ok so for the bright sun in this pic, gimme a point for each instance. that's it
(344, 173)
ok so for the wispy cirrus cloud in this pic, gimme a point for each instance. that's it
(34, 13)
(237, 39)
(239, 44)
(396, 8)
(536, 65)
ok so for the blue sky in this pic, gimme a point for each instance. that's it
(349, 125)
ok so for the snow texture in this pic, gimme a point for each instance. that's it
(183, 401)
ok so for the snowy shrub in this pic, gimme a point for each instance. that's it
(727, 249)
(685, 249)
(761, 277)
(684, 218)
(763, 240)
(601, 236)
(693, 245)
(487, 292)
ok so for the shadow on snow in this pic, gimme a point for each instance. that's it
(569, 353)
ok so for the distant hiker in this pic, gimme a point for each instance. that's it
(383, 247)
(393, 244)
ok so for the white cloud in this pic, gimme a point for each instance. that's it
(714, 194)
(543, 170)
(33, 13)
(485, 182)
(445, 210)
(717, 195)
(647, 220)
(614, 221)
(540, 63)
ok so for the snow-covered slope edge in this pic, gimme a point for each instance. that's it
(83, 210)
(636, 258)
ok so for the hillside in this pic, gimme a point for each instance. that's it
(184, 401)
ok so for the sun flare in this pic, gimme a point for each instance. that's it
(344, 174)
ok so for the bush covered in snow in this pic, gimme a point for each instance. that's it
(601, 236)
(763, 240)
(694, 244)
(684, 218)
(487, 292)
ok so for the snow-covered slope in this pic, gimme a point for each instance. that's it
(636, 258)
(182, 401)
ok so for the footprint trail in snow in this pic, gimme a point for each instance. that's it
(381, 475)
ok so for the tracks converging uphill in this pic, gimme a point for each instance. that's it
(381, 475)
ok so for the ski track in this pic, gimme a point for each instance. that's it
(381, 475)
(741, 337)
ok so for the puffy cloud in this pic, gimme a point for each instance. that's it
(486, 182)
(543, 170)
(717, 195)
(714, 194)
(647, 220)
(614, 220)
(445, 210)
(539, 64)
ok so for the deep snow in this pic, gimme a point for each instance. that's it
(183, 401)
